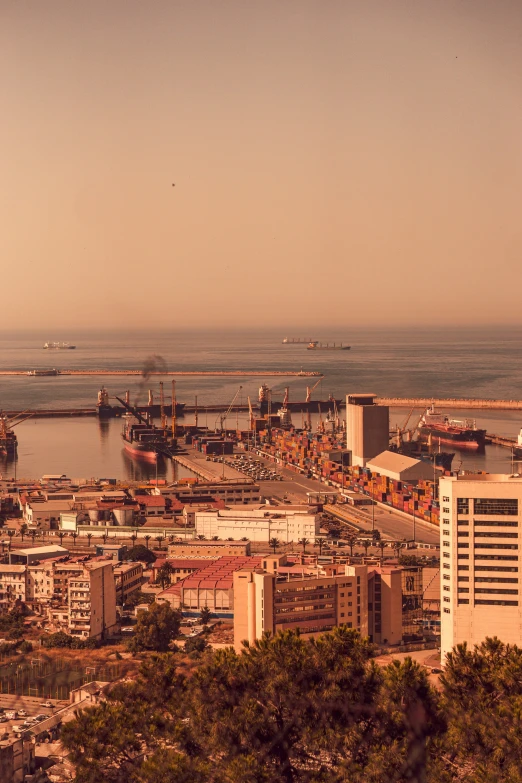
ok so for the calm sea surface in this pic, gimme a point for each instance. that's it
(414, 362)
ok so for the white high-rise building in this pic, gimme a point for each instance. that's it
(480, 523)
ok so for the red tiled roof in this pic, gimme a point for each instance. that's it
(219, 573)
(150, 500)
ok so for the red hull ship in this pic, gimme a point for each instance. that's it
(461, 434)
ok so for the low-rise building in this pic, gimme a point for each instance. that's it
(209, 549)
(31, 555)
(17, 757)
(260, 523)
(13, 585)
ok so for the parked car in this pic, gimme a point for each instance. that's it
(41, 717)
(47, 704)
(11, 714)
(23, 713)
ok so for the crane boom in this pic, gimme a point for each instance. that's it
(310, 390)
(134, 411)
(224, 416)
(251, 415)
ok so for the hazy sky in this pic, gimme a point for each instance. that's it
(335, 162)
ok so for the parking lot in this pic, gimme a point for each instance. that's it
(22, 713)
(255, 469)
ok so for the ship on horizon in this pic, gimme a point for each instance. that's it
(297, 341)
(315, 345)
(59, 346)
(462, 434)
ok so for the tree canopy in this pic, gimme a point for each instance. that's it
(140, 553)
(289, 710)
(156, 628)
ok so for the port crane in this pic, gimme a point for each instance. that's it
(310, 390)
(223, 417)
(251, 420)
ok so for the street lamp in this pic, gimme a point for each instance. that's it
(373, 505)
(414, 520)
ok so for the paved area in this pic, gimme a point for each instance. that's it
(430, 659)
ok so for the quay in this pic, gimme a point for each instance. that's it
(183, 373)
(472, 404)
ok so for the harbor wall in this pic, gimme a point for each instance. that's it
(472, 404)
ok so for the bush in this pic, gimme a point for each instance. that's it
(156, 628)
(196, 644)
(25, 647)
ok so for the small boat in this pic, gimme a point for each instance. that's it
(59, 346)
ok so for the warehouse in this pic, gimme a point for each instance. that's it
(399, 467)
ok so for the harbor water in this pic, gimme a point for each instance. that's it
(402, 363)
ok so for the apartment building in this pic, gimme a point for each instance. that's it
(259, 523)
(267, 601)
(92, 601)
(128, 580)
(385, 605)
(481, 516)
(13, 585)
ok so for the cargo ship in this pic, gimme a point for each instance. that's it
(317, 346)
(42, 373)
(307, 406)
(105, 410)
(8, 439)
(144, 441)
(461, 434)
(59, 346)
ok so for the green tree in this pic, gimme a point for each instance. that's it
(160, 540)
(10, 533)
(33, 534)
(147, 539)
(156, 628)
(201, 538)
(89, 538)
(140, 554)
(164, 576)
(205, 615)
(351, 540)
(274, 543)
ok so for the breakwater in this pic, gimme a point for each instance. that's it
(181, 373)
(472, 404)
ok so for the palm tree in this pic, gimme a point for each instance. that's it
(89, 536)
(147, 539)
(160, 539)
(244, 538)
(33, 535)
(397, 546)
(201, 538)
(320, 542)
(74, 535)
(23, 530)
(215, 538)
(274, 543)
(366, 545)
(351, 540)
(105, 536)
(133, 538)
(165, 574)
(10, 533)
(303, 542)
(382, 546)
(61, 536)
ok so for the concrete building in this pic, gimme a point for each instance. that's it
(128, 580)
(385, 615)
(17, 759)
(31, 555)
(265, 601)
(92, 601)
(46, 514)
(399, 467)
(13, 585)
(240, 491)
(260, 523)
(367, 427)
(481, 517)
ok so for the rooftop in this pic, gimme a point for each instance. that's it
(219, 572)
(42, 550)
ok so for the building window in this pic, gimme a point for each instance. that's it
(512, 569)
(463, 578)
(494, 506)
(446, 510)
(495, 591)
(446, 554)
(447, 610)
(495, 546)
(480, 534)
(482, 602)
(447, 565)
(463, 533)
(463, 590)
(491, 523)
(446, 588)
(463, 557)
(445, 500)
(445, 532)
(462, 568)
(342, 614)
(447, 576)
(448, 600)
(512, 580)
(446, 543)
(463, 601)
(462, 545)
(480, 556)
(463, 522)
(462, 505)
(445, 521)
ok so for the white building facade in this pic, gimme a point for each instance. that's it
(481, 518)
(258, 524)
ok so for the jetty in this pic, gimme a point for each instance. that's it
(472, 404)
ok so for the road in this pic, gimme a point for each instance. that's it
(389, 522)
